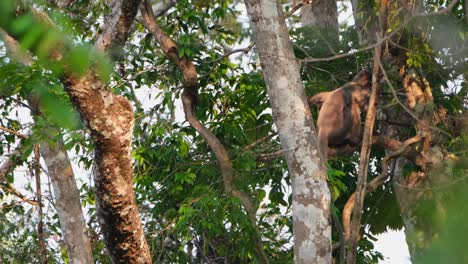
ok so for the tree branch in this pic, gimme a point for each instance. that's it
(13, 132)
(364, 158)
(189, 101)
(375, 183)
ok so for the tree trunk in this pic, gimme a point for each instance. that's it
(58, 165)
(291, 113)
(67, 198)
(110, 120)
(321, 14)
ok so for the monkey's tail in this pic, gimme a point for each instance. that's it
(322, 144)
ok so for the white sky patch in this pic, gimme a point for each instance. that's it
(393, 246)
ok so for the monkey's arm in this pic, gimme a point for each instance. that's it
(319, 98)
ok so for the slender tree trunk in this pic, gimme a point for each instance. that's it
(291, 113)
(59, 168)
(67, 198)
(36, 171)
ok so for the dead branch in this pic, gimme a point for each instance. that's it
(11, 131)
(375, 183)
(189, 101)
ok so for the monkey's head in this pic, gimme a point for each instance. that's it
(364, 79)
(362, 84)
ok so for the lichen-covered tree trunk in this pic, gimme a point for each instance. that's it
(110, 120)
(291, 113)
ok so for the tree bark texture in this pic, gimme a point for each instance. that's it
(110, 120)
(321, 14)
(59, 168)
(291, 113)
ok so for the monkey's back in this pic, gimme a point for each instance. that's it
(335, 116)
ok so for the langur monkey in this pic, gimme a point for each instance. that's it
(339, 120)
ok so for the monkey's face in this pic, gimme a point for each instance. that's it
(361, 96)
(364, 79)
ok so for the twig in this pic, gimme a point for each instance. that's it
(11, 131)
(259, 141)
(5, 168)
(244, 50)
(293, 10)
(271, 156)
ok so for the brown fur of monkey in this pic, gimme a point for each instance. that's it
(339, 120)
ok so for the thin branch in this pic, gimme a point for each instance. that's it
(259, 141)
(375, 183)
(35, 170)
(244, 50)
(364, 158)
(293, 10)
(271, 156)
(11, 131)
(8, 166)
(387, 37)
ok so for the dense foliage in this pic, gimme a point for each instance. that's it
(186, 214)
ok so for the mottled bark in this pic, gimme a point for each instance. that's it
(110, 120)
(189, 100)
(291, 113)
(321, 14)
